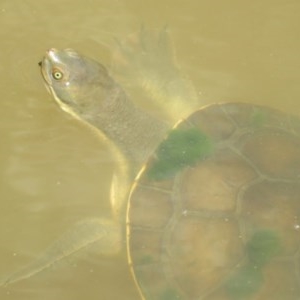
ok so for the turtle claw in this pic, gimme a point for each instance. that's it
(146, 62)
(105, 233)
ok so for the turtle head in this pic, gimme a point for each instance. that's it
(79, 84)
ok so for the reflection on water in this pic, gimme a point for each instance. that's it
(55, 172)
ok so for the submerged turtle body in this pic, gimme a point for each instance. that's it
(224, 225)
(213, 214)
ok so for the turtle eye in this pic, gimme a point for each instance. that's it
(57, 74)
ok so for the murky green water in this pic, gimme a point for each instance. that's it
(55, 172)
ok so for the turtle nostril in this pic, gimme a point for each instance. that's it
(40, 63)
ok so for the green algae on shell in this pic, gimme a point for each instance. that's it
(182, 147)
(245, 282)
(262, 247)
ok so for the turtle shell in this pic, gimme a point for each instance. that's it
(215, 212)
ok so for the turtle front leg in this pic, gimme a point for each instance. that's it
(105, 233)
(146, 62)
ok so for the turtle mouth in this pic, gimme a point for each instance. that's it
(45, 65)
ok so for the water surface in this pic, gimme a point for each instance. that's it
(56, 172)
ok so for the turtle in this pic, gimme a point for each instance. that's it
(213, 210)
